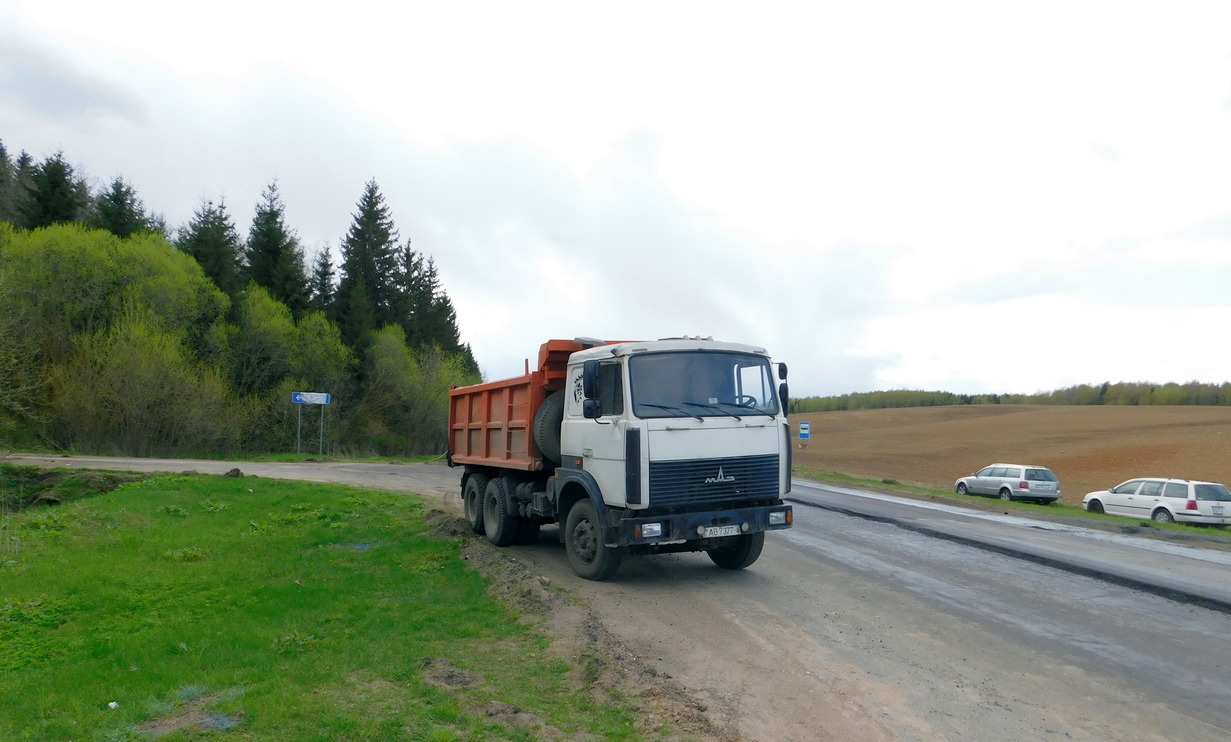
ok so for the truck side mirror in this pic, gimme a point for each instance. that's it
(592, 409)
(589, 381)
(782, 371)
(783, 397)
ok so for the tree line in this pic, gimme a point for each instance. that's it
(1107, 393)
(119, 335)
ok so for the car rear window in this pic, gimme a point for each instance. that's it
(1212, 492)
(1040, 475)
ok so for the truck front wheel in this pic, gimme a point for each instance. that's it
(588, 554)
(738, 551)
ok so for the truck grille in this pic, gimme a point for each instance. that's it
(709, 480)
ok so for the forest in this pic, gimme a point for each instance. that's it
(121, 335)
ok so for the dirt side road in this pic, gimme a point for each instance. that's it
(718, 655)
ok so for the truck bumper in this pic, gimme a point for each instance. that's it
(699, 526)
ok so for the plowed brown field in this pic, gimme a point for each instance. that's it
(1089, 448)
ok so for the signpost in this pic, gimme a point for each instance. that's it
(805, 430)
(320, 398)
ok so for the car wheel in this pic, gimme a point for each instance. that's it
(1162, 516)
(1094, 506)
(1006, 495)
(961, 488)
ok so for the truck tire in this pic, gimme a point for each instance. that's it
(738, 551)
(472, 500)
(588, 554)
(498, 524)
(547, 423)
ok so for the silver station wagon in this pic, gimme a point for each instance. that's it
(1164, 500)
(1012, 482)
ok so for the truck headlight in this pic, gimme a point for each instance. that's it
(777, 518)
(651, 530)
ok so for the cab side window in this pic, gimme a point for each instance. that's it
(611, 388)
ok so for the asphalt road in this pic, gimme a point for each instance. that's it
(1179, 571)
(1148, 618)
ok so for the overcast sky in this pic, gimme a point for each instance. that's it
(962, 196)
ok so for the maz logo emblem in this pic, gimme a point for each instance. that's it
(719, 478)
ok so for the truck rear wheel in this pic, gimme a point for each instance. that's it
(499, 525)
(738, 551)
(588, 554)
(472, 500)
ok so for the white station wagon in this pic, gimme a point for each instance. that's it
(1164, 500)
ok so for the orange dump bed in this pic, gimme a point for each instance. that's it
(491, 424)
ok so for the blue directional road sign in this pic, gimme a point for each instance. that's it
(310, 397)
(805, 429)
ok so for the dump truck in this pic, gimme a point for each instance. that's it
(630, 447)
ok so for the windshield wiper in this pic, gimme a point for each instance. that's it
(713, 406)
(670, 408)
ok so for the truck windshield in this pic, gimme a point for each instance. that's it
(701, 384)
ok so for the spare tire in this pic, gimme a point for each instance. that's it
(547, 423)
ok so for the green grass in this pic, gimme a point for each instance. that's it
(219, 608)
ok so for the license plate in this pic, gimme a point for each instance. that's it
(716, 531)
(1217, 509)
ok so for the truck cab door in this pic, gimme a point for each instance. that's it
(599, 443)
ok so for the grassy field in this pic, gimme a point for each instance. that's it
(1089, 447)
(201, 606)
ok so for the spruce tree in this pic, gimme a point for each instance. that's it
(368, 262)
(8, 187)
(320, 284)
(211, 238)
(120, 212)
(275, 259)
(56, 195)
